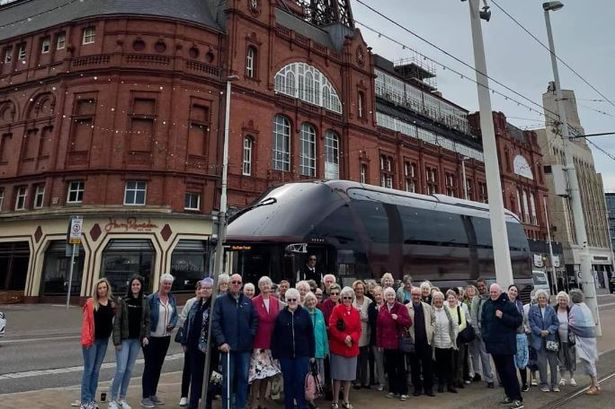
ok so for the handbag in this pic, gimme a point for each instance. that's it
(313, 384)
(340, 325)
(571, 339)
(552, 346)
(179, 335)
(467, 335)
(406, 343)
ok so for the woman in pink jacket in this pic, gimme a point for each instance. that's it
(262, 365)
(393, 319)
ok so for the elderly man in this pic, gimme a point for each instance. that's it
(327, 281)
(233, 327)
(424, 318)
(308, 271)
(477, 347)
(500, 320)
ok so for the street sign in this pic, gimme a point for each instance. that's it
(75, 230)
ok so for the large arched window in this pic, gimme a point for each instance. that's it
(305, 82)
(281, 143)
(307, 155)
(522, 168)
(332, 155)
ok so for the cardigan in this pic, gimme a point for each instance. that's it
(266, 320)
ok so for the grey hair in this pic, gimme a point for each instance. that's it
(386, 275)
(292, 293)
(389, 290)
(224, 278)
(576, 296)
(437, 294)
(562, 294)
(166, 277)
(263, 281)
(304, 284)
(249, 285)
(310, 296)
(425, 284)
(346, 291)
(540, 292)
(329, 276)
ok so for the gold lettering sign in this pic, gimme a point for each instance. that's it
(129, 224)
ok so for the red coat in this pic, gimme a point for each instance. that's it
(87, 324)
(388, 330)
(326, 307)
(352, 323)
(266, 321)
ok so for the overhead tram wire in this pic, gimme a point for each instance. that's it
(517, 22)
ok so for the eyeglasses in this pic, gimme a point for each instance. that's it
(346, 298)
(235, 282)
(291, 300)
(312, 259)
(335, 293)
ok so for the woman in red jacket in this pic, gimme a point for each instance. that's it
(393, 319)
(344, 334)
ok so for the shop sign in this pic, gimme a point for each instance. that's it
(129, 224)
(538, 261)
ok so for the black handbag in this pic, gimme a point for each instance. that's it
(467, 335)
(406, 343)
(340, 325)
(179, 335)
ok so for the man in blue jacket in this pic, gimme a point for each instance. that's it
(233, 328)
(500, 320)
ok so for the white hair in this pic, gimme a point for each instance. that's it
(249, 285)
(224, 278)
(329, 276)
(166, 277)
(347, 291)
(386, 275)
(310, 296)
(292, 293)
(303, 284)
(425, 284)
(540, 292)
(389, 290)
(437, 294)
(263, 281)
(562, 294)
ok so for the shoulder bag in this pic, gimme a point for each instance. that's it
(467, 335)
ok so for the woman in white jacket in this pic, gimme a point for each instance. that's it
(444, 342)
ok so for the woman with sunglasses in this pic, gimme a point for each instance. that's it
(327, 305)
(293, 344)
(345, 332)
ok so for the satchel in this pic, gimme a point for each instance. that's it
(406, 343)
(467, 335)
(552, 346)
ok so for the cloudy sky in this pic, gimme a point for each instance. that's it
(584, 38)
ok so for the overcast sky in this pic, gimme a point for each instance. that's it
(584, 32)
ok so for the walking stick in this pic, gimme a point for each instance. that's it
(228, 380)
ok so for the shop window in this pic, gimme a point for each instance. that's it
(21, 195)
(75, 191)
(39, 196)
(124, 258)
(246, 169)
(61, 41)
(192, 201)
(135, 193)
(189, 264)
(307, 154)
(14, 259)
(56, 269)
(89, 35)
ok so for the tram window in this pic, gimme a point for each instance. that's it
(375, 219)
(516, 236)
(429, 226)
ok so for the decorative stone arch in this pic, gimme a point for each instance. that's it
(41, 106)
(8, 111)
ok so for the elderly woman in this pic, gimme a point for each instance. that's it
(387, 281)
(194, 339)
(321, 350)
(293, 344)
(303, 287)
(223, 282)
(361, 303)
(327, 281)
(318, 293)
(445, 342)
(344, 332)
(426, 292)
(566, 356)
(544, 324)
(327, 305)
(522, 355)
(404, 292)
(581, 324)
(185, 387)
(163, 318)
(459, 314)
(393, 320)
(262, 365)
(532, 367)
(377, 357)
(249, 290)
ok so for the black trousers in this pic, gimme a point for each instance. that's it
(395, 368)
(505, 366)
(363, 366)
(421, 366)
(186, 374)
(444, 366)
(153, 354)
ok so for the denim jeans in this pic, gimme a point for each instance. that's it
(92, 360)
(126, 358)
(293, 373)
(237, 377)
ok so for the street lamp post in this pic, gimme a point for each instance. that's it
(219, 255)
(497, 217)
(587, 277)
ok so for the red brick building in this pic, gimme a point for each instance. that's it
(114, 111)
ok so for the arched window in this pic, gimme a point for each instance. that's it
(332, 155)
(360, 104)
(522, 168)
(251, 62)
(281, 143)
(305, 82)
(307, 154)
(247, 156)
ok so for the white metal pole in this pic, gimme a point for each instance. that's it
(70, 275)
(587, 277)
(553, 274)
(463, 175)
(501, 251)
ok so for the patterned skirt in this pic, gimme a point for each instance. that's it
(262, 365)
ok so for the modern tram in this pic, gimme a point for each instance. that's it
(362, 231)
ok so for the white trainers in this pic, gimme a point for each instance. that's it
(183, 401)
(124, 404)
(113, 405)
(562, 382)
(573, 382)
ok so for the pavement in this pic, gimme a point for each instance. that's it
(30, 323)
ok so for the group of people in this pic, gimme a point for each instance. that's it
(367, 335)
